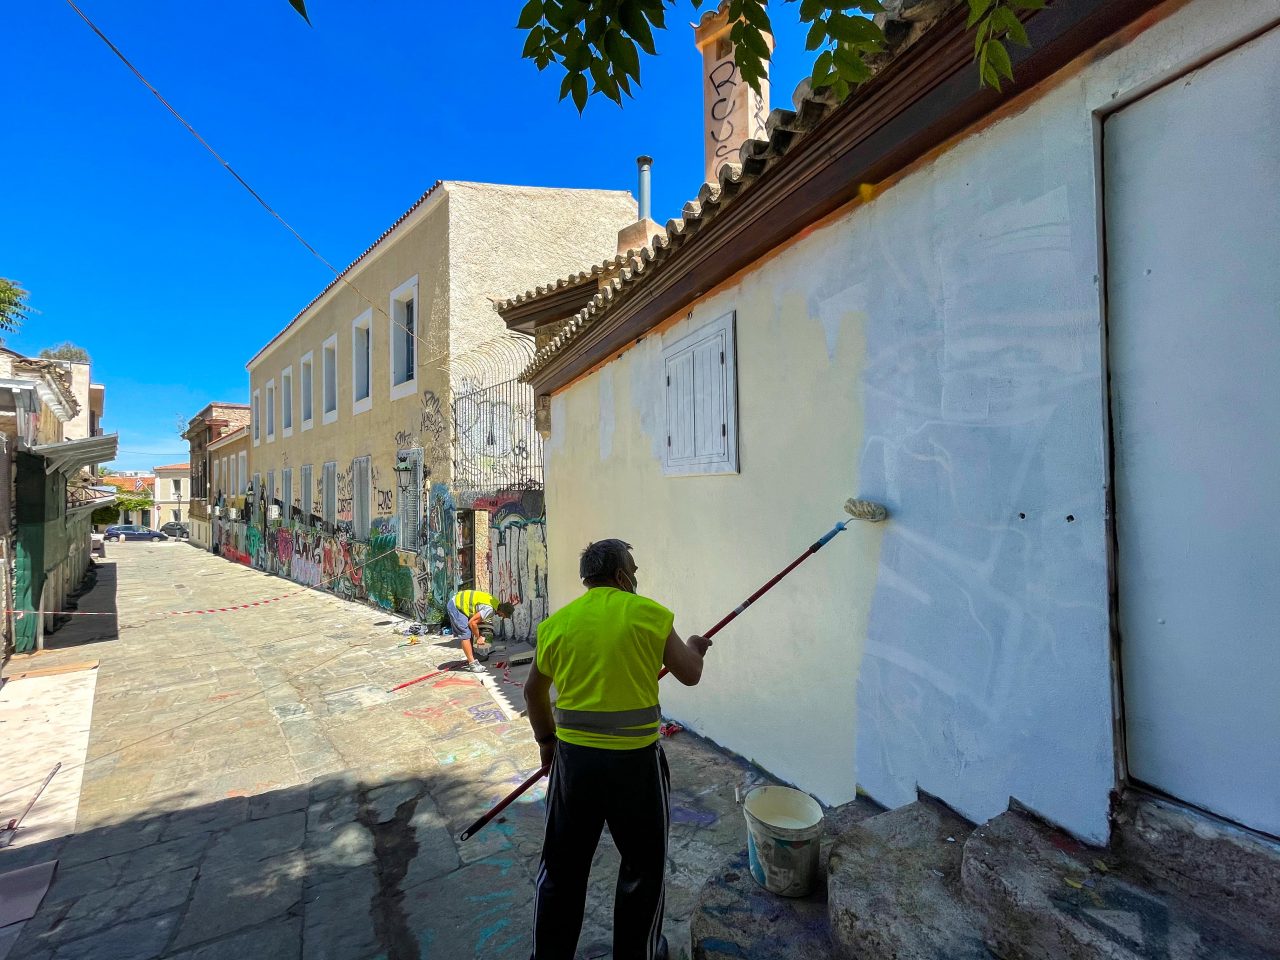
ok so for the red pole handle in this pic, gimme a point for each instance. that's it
(510, 798)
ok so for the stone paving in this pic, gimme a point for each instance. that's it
(253, 789)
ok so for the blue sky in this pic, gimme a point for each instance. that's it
(137, 245)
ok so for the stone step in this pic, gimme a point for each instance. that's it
(1043, 896)
(893, 888)
(737, 918)
(1233, 872)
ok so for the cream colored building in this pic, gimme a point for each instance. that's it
(351, 431)
(172, 494)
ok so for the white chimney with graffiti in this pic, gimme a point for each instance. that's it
(732, 112)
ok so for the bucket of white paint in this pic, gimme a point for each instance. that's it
(784, 830)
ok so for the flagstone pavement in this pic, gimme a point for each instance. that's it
(253, 787)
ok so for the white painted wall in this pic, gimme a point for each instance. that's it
(1194, 284)
(940, 350)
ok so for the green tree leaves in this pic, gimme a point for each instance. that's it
(996, 21)
(598, 42)
(13, 305)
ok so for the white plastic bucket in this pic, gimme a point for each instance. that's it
(784, 830)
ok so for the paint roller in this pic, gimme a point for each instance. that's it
(866, 510)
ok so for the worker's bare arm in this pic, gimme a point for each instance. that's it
(537, 702)
(684, 657)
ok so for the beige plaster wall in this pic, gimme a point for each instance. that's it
(418, 248)
(77, 428)
(506, 239)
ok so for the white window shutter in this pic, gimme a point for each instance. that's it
(701, 401)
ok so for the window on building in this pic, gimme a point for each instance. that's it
(177, 488)
(286, 493)
(330, 374)
(362, 362)
(404, 339)
(258, 492)
(243, 472)
(329, 490)
(255, 414)
(361, 497)
(305, 490)
(408, 498)
(701, 401)
(271, 410)
(306, 389)
(271, 487)
(286, 400)
(217, 476)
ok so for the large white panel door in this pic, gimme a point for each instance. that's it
(1192, 181)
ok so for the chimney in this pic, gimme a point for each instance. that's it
(732, 112)
(641, 233)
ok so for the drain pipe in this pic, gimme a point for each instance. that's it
(646, 165)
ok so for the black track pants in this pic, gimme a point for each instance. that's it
(589, 787)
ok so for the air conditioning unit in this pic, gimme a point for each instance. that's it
(217, 511)
(273, 512)
(232, 513)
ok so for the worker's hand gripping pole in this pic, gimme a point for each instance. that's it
(858, 509)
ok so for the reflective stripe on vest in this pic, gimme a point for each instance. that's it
(468, 600)
(617, 723)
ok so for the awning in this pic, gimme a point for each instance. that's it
(70, 455)
(89, 498)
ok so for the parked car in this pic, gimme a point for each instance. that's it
(97, 544)
(133, 531)
(175, 529)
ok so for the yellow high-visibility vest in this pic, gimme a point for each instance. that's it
(468, 600)
(603, 652)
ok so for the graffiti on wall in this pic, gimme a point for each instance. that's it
(517, 558)
(441, 543)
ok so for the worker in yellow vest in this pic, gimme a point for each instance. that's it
(467, 611)
(603, 653)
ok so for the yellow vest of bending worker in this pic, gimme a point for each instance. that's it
(603, 652)
(468, 600)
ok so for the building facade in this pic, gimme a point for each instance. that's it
(352, 421)
(47, 491)
(214, 422)
(932, 320)
(172, 493)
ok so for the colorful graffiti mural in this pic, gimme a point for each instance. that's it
(517, 558)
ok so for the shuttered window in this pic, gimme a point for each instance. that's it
(360, 498)
(329, 481)
(701, 401)
(408, 498)
(286, 493)
(305, 489)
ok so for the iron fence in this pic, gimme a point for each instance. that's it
(496, 445)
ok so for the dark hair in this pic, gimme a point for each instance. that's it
(603, 559)
(505, 608)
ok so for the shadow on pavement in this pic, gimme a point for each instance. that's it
(94, 616)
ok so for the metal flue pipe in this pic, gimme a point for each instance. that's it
(646, 166)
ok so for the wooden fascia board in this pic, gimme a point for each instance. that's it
(549, 308)
(925, 97)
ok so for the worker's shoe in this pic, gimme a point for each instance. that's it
(475, 666)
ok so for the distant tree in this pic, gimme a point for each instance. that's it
(13, 306)
(65, 351)
(105, 515)
(126, 501)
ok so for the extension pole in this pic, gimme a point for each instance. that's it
(860, 509)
